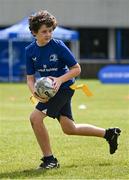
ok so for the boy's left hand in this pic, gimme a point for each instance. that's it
(56, 82)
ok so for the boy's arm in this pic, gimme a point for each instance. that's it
(74, 71)
(30, 82)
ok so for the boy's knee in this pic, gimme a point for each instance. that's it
(67, 132)
(70, 131)
(32, 118)
(36, 119)
(67, 125)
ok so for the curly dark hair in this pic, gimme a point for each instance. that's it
(40, 18)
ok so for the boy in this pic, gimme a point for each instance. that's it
(51, 57)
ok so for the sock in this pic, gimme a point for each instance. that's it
(48, 158)
(109, 133)
(106, 134)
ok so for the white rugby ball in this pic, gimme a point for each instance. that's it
(44, 87)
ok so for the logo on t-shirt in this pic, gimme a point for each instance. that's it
(34, 58)
(47, 69)
(44, 66)
(53, 57)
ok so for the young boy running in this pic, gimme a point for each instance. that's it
(50, 57)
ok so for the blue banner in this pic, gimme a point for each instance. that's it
(114, 74)
(18, 67)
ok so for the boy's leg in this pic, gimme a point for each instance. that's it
(69, 127)
(40, 131)
(42, 136)
(111, 134)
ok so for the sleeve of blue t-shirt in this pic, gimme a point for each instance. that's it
(66, 55)
(30, 70)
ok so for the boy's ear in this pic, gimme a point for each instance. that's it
(33, 33)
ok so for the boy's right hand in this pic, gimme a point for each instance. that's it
(43, 100)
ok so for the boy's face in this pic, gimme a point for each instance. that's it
(44, 34)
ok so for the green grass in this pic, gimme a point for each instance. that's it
(80, 157)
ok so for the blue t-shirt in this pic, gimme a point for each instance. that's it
(53, 59)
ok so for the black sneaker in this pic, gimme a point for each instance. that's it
(112, 138)
(49, 164)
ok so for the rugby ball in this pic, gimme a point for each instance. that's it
(44, 87)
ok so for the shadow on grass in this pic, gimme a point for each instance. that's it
(24, 174)
(105, 164)
(33, 173)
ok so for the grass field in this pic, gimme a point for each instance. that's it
(80, 157)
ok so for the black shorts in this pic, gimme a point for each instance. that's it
(59, 105)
